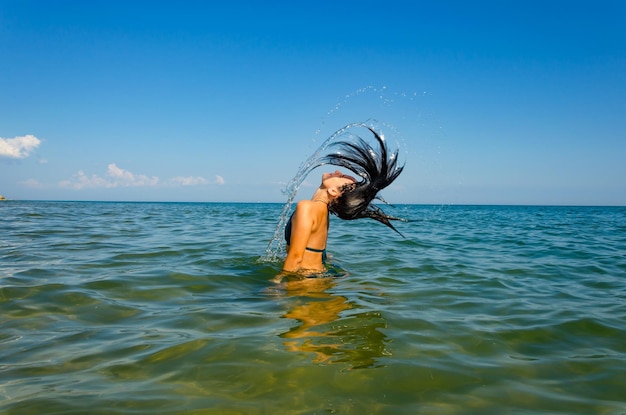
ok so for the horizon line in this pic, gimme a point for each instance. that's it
(282, 203)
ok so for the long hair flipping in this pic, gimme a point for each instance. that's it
(377, 170)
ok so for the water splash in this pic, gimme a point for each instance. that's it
(277, 243)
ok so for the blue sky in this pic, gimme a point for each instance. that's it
(518, 102)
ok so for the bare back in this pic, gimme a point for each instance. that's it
(309, 233)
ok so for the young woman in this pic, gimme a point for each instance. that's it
(306, 231)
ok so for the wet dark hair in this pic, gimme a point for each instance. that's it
(378, 169)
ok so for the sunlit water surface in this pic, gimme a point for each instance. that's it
(166, 308)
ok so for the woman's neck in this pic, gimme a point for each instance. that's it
(321, 196)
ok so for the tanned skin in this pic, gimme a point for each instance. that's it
(309, 226)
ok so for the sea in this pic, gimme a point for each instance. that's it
(170, 308)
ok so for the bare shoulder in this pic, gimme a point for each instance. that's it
(304, 205)
(308, 207)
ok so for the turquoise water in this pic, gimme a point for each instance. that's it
(167, 308)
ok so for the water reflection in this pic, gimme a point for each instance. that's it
(330, 327)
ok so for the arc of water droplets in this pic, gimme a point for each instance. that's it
(277, 242)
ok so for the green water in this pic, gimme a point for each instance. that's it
(157, 308)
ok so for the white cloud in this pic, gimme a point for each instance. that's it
(188, 181)
(119, 177)
(32, 183)
(219, 180)
(18, 147)
(81, 181)
(121, 174)
(123, 177)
